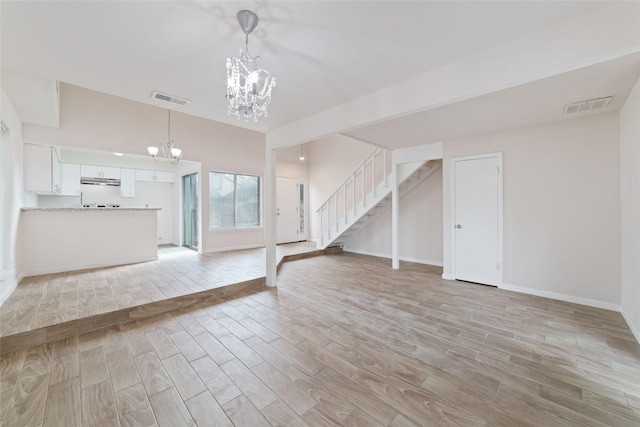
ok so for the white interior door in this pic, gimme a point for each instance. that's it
(477, 220)
(287, 209)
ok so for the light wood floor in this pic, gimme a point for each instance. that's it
(343, 340)
(50, 299)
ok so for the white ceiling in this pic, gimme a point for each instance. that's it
(541, 101)
(322, 53)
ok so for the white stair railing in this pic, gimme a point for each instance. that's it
(354, 194)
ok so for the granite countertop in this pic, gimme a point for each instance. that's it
(89, 209)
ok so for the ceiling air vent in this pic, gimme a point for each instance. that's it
(588, 105)
(169, 98)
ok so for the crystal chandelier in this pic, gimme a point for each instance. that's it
(248, 85)
(169, 151)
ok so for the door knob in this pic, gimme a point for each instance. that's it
(459, 226)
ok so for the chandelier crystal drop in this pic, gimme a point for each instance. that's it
(167, 147)
(248, 85)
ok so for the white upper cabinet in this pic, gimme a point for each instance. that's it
(145, 175)
(42, 172)
(127, 183)
(93, 171)
(155, 176)
(162, 176)
(70, 179)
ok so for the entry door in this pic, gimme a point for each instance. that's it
(287, 206)
(190, 210)
(478, 219)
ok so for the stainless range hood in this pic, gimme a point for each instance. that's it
(100, 181)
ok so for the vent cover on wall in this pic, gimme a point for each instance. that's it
(590, 104)
(169, 98)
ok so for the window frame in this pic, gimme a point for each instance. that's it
(235, 226)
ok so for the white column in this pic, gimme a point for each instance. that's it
(270, 222)
(395, 218)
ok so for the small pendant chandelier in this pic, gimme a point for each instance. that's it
(248, 85)
(167, 147)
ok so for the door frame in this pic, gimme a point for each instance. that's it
(304, 236)
(300, 237)
(452, 221)
(181, 193)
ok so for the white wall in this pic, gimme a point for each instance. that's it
(148, 194)
(94, 120)
(288, 163)
(14, 187)
(420, 226)
(561, 207)
(630, 208)
(331, 159)
(68, 239)
(107, 158)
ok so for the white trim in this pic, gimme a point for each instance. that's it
(89, 266)
(421, 153)
(233, 248)
(6, 292)
(305, 235)
(635, 330)
(381, 255)
(269, 217)
(562, 297)
(447, 276)
(233, 229)
(395, 216)
(422, 261)
(498, 156)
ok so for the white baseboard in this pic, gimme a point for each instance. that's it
(447, 276)
(635, 329)
(11, 283)
(562, 297)
(402, 258)
(233, 248)
(88, 266)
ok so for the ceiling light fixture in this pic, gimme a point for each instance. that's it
(169, 151)
(301, 152)
(248, 85)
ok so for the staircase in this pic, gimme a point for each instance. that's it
(365, 194)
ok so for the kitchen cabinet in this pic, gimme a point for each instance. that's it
(162, 176)
(155, 176)
(93, 171)
(70, 179)
(56, 172)
(42, 171)
(127, 183)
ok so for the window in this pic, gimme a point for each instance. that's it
(234, 200)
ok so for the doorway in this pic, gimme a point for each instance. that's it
(477, 219)
(291, 203)
(190, 211)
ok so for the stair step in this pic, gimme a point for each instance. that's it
(18, 341)
(363, 214)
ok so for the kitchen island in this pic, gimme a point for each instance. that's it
(65, 239)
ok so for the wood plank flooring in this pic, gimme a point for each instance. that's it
(343, 340)
(50, 307)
